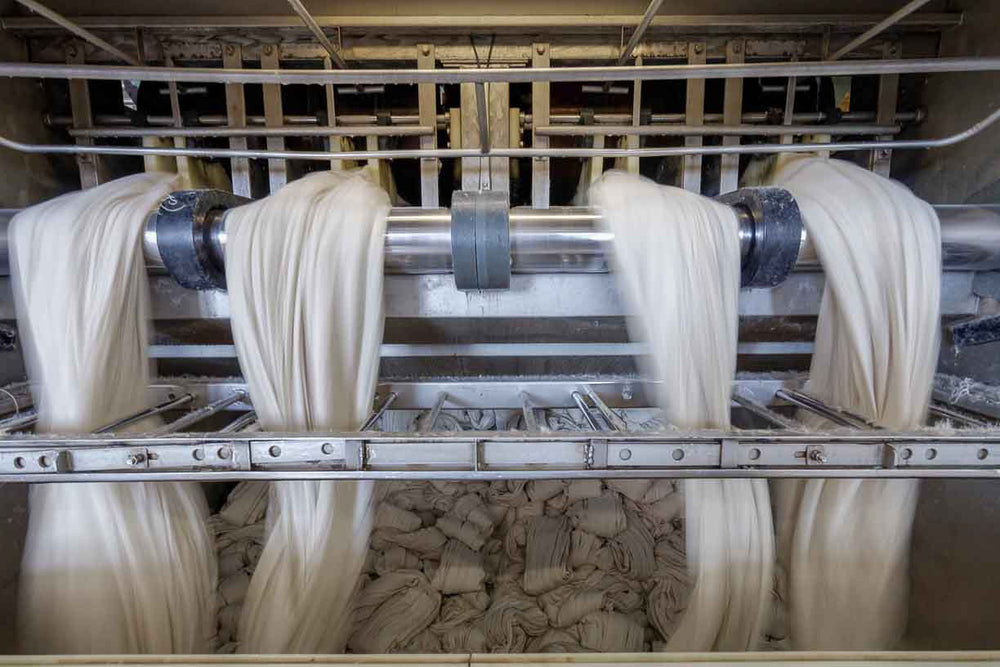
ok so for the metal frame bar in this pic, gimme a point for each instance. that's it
(676, 23)
(537, 74)
(879, 27)
(317, 32)
(640, 31)
(732, 115)
(236, 116)
(80, 31)
(709, 130)
(500, 455)
(539, 153)
(237, 130)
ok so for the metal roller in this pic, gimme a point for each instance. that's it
(480, 239)
(559, 240)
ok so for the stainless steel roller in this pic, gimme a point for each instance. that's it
(571, 240)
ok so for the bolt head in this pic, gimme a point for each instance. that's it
(268, 49)
(737, 47)
(625, 454)
(540, 48)
(425, 49)
(699, 47)
(230, 49)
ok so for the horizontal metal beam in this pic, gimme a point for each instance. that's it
(300, 131)
(675, 23)
(494, 455)
(711, 130)
(745, 149)
(502, 74)
(521, 350)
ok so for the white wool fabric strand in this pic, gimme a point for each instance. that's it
(677, 261)
(304, 274)
(845, 544)
(107, 568)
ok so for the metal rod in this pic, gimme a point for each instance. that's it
(81, 32)
(502, 74)
(879, 27)
(211, 132)
(484, 118)
(839, 416)
(637, 34)
(377, 414)
(150, 412)
(684, 23)
(214, 120)
(530, 421)
(240, 423)
(202, 413)
(18, 422)
(712, 130)
(614, 421)
(585, 409)
(317, 32)
(745, 149)
(961, 414)
(765, 413)
(431, 419)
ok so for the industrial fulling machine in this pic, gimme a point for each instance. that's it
(505, 353)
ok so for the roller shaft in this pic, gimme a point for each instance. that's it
(570, 240)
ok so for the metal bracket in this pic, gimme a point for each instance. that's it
(480, 240)
(30, 462)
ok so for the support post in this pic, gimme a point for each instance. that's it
(336, 142)
(880, 160)
(540, 181)
(277, 170)
(695, 115)
(732, 114)
(632, 141)
(79, 99)
(236, 114)
(427, 102)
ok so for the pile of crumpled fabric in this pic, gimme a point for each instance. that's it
(509, 566)
(239, 540)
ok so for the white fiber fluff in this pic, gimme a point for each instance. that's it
(304, 273)
(107, 568)
(845, 543)
(677, 261)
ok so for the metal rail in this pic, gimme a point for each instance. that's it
(502, 74)
(79, 31)
(640, 31)
(745, 149)
(496, 455)
(318, 33)
(879, 27)
(710, 130)
(211, 132)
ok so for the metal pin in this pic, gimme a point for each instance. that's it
(150, 412)
(962, 416)
(379, 411)
(530, 422)
(614, 421)
(202, 413)
(838, 416)
(241, 423)
(585, 409)
(428, 423)
(765, 413)
(18, 423)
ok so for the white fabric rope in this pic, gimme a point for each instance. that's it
(677, 259)
(304, 274)
(845, 544)
(107, 568)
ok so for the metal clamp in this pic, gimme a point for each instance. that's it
(183, 232)
(480, 240)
